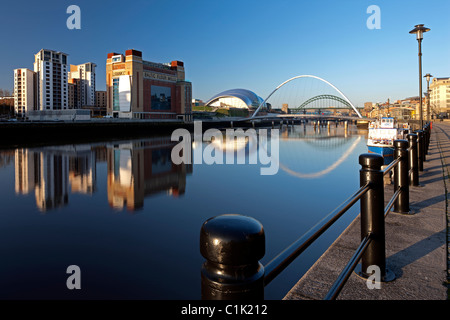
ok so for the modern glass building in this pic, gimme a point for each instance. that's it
(236, 98)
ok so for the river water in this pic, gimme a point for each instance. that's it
(130, 218)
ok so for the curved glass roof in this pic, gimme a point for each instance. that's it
(248, 97)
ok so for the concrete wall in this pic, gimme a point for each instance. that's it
(66, 115)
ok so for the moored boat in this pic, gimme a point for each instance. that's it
(382, 134)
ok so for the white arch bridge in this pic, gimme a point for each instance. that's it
(344, 99)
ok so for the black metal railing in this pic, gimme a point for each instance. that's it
(233, 244)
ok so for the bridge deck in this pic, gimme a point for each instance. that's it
(416, 245)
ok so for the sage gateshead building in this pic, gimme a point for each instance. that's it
(141, 89)
(237, 98)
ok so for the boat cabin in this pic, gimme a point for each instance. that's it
(387, 122)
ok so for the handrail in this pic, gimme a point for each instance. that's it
(392, 201)
(349, 268)
(391, 166)
(280, 262)
(347, 271)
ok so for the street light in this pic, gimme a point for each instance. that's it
(419, 30)
(428, 77)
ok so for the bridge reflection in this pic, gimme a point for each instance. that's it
(138, 169)
(321, 136)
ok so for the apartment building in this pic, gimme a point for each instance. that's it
(440, 96)
(83, 76)
(24, 91)
(51, 80)
(100, 99)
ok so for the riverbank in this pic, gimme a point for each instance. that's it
(27, 133)
(59, 132)
(416, 245)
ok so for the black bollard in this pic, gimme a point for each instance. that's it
(413, 160)
(427, 138)
(372, 216)
(424, 144)
(232, 245)
(401, 179)
(420, 149)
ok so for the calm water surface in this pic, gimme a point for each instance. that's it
(131, 219)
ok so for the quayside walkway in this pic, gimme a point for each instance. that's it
(417, 249)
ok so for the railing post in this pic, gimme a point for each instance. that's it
(413, 161)
(424, 143)
(428, 135)
(401, 177)
(372, 216)
(232, 245)
(420, 149)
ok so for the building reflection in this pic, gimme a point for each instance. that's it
(49, 172)
(135, 169)
(138, 169)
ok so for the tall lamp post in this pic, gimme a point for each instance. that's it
(428, 77)
(419, 30)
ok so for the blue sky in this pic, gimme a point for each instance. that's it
(242, 44)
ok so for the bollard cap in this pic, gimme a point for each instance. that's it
(401, 144)
(412, 136)
(371, 160)
(232, 239)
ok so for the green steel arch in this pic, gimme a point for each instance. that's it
(324, 96)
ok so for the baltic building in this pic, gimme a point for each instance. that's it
(141, 89)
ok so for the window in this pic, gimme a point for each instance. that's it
(161, 98)
(116, 105)
(116, 59)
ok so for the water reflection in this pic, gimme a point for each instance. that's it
(124, 256)
(135, 170)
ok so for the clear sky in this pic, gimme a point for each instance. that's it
(252, 44)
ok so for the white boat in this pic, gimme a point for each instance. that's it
(382, 134)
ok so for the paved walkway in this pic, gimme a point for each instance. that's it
(416, 245)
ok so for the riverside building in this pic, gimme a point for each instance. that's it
(51, 80)
(440, 96)
(24, 91)
(141, 89)
(83, 77)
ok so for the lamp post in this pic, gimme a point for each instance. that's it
(428, 77)
(419, 30)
